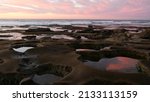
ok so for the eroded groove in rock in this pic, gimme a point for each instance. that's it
(49, 68)
(10, 79)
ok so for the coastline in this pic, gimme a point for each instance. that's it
(58, 54)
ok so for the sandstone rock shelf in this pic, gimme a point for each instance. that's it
(67, 54)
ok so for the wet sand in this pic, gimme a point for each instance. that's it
(68, 55)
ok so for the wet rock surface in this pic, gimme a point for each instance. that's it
(146, 34)
(1, 61)
(29, 37)
(62, 61)
(10, 78)
(38, 30)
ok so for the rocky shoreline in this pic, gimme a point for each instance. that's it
(56, 54)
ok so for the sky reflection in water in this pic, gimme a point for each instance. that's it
(117, 64)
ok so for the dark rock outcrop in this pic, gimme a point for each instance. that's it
(29, 37)
(146, 34)
(49, 68)
(10, 79)
(38, 30)
(1, 61)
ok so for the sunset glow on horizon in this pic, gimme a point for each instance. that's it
(74, 9)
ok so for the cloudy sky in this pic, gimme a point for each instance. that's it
(75, 9)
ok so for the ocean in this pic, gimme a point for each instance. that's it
(21, 22)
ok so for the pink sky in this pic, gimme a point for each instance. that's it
(75, 9)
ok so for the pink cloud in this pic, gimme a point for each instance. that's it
(100, 9)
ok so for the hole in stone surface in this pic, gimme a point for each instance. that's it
(22, 49)
(45, 79)
(116, 64)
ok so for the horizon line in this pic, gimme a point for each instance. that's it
(65, 19)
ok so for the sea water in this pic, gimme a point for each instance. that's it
(22, 22)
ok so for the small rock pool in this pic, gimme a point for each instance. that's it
(116, 64)
(22, 49)
(46, 79)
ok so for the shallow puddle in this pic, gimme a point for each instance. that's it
(19, 36)
(45, 79)
(85, 50)
(57, 29)
(80, 25)
(11, 36)
(22, 49)
(62, 37)
(84, 38)
(116, 64)
(13, 28)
